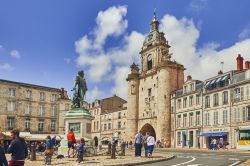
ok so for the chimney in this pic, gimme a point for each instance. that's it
(239, 62)
(220, 72)
(247, 65)
(189, 78)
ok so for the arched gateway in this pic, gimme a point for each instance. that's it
(148, 128)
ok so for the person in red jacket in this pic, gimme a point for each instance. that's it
(71, 141)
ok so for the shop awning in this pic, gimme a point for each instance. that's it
(220, 134)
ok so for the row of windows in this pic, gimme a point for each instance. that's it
(27, 123)
(216, 101)
(109, 116)
(190, 100)
(194, 119)
(42, 97)
(109, 126)
(11, 106)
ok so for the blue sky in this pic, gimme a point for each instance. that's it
(46, 42)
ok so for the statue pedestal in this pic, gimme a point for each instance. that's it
(78, 119)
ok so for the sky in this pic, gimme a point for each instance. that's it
(46, 42)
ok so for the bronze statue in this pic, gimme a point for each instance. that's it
(80, 89)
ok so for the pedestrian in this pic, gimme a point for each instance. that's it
(18, 149)
(49, 150)
(71, 141)
(80, 150)
(138, 144)
(150, 143)
(145, 145)
(3, 160)
(130, 144)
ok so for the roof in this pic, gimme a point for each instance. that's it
(112, 104)
(30, 85)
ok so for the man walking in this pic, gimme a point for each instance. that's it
(138, 144)
(18, 149)
(71, 141)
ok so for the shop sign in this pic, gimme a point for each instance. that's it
(218, 130)
(244, 127)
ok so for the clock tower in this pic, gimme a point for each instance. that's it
(149, 90)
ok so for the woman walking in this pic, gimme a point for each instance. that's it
(151, 144)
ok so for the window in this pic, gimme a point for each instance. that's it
(88, 128)
(198, 118)
(224, 116)
(178, 138)
(206, 119)
(191, 87)
(185, 102)
(149, 92)
(215, 118)
(109, 126)
(42, 96)
(28, 94)
(178, 121)
(236, 114)
(207, 101)
(40, 125)
(27, 124)
(185, 89)
(105, 126)
(198, 99)
(247, 92)
(119, 115)
(225, 97)
(179, 104)
(244, 114)
(53, 97)
(11, 106)
(149, 62)
(12, 92)
(10, 123)
(41, 110)
(53, 125)
(119, 125)
(191, 119)
(237, 95)
(133, 90)
(248, 113)
(190, 101)
(184, 120)
(216, 99)
(53, 111)
(97, 124)
(28, 108)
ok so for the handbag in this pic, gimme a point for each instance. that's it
(49, 152)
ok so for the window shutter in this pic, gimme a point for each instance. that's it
(242, 93)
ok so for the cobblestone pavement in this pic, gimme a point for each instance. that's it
(129, 159)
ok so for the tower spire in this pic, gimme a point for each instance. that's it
(155, 22)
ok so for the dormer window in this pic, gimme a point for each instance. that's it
(149, 62)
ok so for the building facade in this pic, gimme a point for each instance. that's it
(30, 108)
(225, 111)
(148, 108)
(109, 118)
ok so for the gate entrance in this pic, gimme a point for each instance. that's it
(148, 128)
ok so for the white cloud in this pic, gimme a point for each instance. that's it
(67, 60)
(245, 33)
(183, 35)
(197, 5)
(93, 94)
(15, 54)
(6, 67)
(1, 47)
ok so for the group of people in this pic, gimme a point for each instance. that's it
(216, 144)
(72, 146)
(147, 141)
(18, 149)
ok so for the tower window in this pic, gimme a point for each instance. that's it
(149, 62)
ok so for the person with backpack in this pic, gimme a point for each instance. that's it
(49, 150)
(138, 144)
(80, 150)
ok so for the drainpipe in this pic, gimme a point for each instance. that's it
(202, 124)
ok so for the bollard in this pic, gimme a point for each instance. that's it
(33, 153)
(113, 151)
(109, 148)
(123, 147)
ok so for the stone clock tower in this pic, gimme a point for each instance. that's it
(149, 90)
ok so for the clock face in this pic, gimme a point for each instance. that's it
(149, 57)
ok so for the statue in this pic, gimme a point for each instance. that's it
(79, 88)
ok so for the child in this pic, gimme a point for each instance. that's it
(80, 150)
(48, 151)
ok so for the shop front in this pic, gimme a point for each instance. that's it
(243, 138)
(216, 135)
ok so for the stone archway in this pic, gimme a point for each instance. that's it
(148, 128)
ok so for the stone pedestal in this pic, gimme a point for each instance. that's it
(78, 119)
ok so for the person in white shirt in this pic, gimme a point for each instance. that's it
(151, 144)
